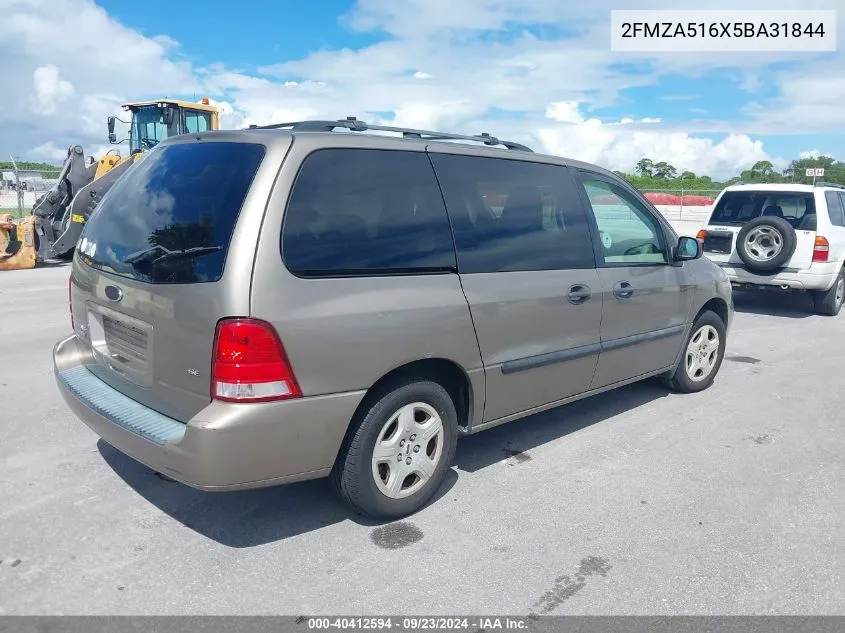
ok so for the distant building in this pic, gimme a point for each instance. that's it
(32, 180)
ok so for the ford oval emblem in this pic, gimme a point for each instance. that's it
(113, 293)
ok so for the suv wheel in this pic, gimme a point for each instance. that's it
(828, 302)
(702, 355)
(399, 452)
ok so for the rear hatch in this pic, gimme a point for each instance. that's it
(146, 292)
(736, 208)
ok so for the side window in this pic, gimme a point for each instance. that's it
(835, 202)
(510, 215)
(628, 231)
(197, 121)
(366, 212)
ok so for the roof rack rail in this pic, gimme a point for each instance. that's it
(354, 125)
(821, 183)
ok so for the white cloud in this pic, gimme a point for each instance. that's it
(432, 71)
(51, 153)
(565, 112)
(50, 90)
(67, 65)
(814, 153)
(751, 83)
(619, 147)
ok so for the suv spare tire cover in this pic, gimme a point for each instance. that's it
(765, 231)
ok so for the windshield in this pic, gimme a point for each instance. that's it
(169, 219)
(148, 128)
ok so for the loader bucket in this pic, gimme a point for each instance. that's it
(18, 249)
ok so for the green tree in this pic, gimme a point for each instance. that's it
(834, 171)
(761, 171)
(47, 170)
(664, 171)
(645, 167)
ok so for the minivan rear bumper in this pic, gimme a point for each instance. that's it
(223, 447)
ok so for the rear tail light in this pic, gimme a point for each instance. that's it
(821, 250)
(70, 303)
(700, 236)
(250, 363)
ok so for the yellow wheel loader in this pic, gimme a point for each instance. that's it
(59, 215)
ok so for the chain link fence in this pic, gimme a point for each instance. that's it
(20, 188)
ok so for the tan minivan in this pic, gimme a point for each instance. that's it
(264, 306)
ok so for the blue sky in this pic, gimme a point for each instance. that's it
(247, 33)
(537, 70)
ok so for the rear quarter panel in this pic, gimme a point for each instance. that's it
(835, 234)
(344, 334)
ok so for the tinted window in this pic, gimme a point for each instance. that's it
(738, 207)
(197, 121)
(628, 231)
(835, 209)
(363, 212)
(179, 197)
(510, 215)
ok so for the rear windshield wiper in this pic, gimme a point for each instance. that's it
(164, 254)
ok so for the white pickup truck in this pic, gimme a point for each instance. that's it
(781, 236)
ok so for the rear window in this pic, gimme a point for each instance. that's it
(170, 217)
(739, 207)
(835, 207)
(364, 212)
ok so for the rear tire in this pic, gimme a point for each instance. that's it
(398, 451)
(701, 358)
(829, 302)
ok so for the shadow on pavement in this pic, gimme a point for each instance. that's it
(798, 305)
(256, 517)
(516, 439)
(247, 518)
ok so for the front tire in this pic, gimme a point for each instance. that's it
(704, 349)
(829, 302)
(397, 456)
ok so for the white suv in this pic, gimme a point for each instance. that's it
(781, 236)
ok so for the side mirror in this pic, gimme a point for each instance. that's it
(168, 115)
(688, 248)
(112, 138)
(110, 123)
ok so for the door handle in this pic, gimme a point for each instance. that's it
(623, 290)
(579, 293)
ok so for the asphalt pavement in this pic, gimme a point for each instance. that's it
(637, 501)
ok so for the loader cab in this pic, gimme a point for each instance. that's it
(154, 121)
